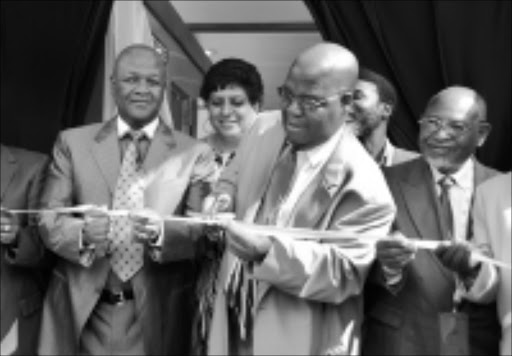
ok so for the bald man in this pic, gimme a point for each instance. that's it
(123, 285)
(410, 290)
(302, 168)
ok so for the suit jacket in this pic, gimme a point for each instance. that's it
(403, 320)
(84, 170)
(492, 215)
(308, 292)
(22, 289)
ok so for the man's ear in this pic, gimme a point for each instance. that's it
(484, 129)
(387, 110)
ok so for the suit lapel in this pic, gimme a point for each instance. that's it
(262, 168)
(106, 152)
(158, 150)
(420, 199)
(9, 166)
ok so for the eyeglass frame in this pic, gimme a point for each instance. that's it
(311, 104)
(434, 124)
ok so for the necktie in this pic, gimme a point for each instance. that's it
(241, 290)
(127, 256)
(279, 186)
(445, 184)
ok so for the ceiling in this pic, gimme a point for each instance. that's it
(268, 34)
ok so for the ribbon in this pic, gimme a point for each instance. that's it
(330, 236)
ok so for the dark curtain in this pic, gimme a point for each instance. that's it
(51, 54)
(425, 46)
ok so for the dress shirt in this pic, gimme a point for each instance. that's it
(309, 164)
(461, 195)
(386, 159)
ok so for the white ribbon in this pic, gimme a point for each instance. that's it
(330, 236)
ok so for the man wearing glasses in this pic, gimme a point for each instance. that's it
(279, 294)
(414, 304)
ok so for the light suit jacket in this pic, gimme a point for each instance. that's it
(22, 289)
(308, 293)
(85, 167)
(492, 215)
(403, 320)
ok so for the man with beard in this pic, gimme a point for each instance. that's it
(374, 103)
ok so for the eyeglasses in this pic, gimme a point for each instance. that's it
(432, 123)
(308, 103)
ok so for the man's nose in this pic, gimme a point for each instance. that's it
(142, 86)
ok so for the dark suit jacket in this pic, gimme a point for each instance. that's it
(22, 288)
(84, 170)
(404, 321)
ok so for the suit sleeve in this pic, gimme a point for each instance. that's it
(327, 272)
(30, 250)
(485, 286)
(61, 233)
(181, 239)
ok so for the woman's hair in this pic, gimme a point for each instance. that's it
(233, 71)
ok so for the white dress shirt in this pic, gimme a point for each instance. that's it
(309, 164)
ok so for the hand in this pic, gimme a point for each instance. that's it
(96, 226)
(146, 225)
(246, 244)
(456, 257)
(395, 251)
(9, 226)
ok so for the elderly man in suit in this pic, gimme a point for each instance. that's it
(374, 103)
(22, 286)
(124, 284)
(303, 169)
(411, 291)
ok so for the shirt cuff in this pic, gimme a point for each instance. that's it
(391, 276)
(86, 251)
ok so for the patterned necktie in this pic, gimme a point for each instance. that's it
(445, 184)
(127, 256)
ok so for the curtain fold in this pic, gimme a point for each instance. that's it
(425, 46)
(88, 61)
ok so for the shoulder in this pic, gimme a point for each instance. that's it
(81, 133)
(402, 155)
(483, 172)
(266, 120)
(27, 156)
(498, 185)
(184, 141)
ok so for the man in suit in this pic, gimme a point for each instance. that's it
(124, 284)
(409, 289)
(22, 286)
(302, 169)
(492, 215)
(374, 103)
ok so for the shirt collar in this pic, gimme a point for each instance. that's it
(387, 154)
(463, 177)
(149, 129)
(320, 153)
